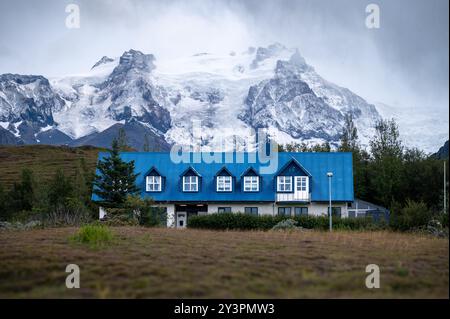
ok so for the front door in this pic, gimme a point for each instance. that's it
(181, 219)
(301, 187)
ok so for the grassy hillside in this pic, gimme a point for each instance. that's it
(44, 160)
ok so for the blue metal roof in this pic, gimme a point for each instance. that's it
(316, 164)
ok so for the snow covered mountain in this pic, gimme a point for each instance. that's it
(159, 101)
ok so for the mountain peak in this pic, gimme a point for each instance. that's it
(297, 59)
(103, 60)
(137, 59)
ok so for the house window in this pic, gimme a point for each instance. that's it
(251, 210)
(284, 184)
(301, 211)
(301, 184)
(153, 184)
(251, 183)
(284, 211)
(190, 183)
(224, 183)
(224, 210)
(336, 211)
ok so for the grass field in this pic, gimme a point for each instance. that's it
(43, 160)
(169, 263)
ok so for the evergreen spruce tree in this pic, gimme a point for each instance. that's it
(116, 178)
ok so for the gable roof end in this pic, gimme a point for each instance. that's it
(248, 170)
(190, 169)
(224, 169)
(152, 169)
(295, 162)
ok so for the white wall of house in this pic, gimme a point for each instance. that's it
(263, 208)
(314, 209)
(101, 213)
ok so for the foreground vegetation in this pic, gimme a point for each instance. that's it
(241, 221)
(167, 263)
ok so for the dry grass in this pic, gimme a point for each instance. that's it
(168, 263)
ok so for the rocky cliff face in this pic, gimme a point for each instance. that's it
(288, 103)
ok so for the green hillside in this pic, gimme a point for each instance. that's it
(44, 160)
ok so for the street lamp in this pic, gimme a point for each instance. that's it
(330, 175)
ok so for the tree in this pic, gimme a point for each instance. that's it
(349, 137)
(22, 195)
(350, 143)
(3, 211)
(386, 142)
(82, 182)
(386, 168)
(122, 141)
(116, 178)
(303, 147)
(324, 147)
(60, 190)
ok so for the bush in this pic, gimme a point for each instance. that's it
(73, 213)
(147, 213)
(443, 218)
(94, 235)
(241, 221)
(413, 215)
(136, 211)
(287, 224)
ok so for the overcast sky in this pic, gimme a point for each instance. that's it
(403, 63)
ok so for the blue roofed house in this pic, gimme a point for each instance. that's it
(240, 182)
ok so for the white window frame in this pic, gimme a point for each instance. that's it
(151, 182)
(251, 183)
(302, 186)
(192, 182)
(283, 182)
(224, 183)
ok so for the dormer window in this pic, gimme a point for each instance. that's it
(190, 183)
(251, 183)
(284, 184)
(190, 180)
(224, 184)
(224, 180)
(154, 181)
(153, 184)
(250, 180)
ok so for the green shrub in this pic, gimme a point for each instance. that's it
(136, 211)
(94, 235)
(241, 221)
(412, 216)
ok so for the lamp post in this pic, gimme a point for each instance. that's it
(330, 175)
